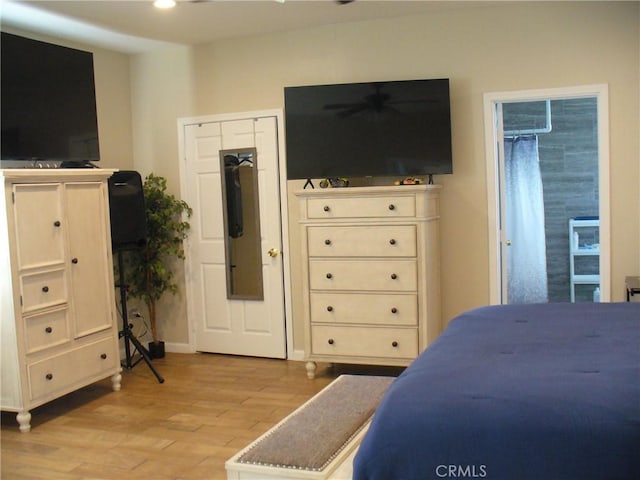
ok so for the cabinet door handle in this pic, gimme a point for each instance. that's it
(326, 208)
(394, 344)
(327, 242)
(330, 341)
(394, 310)
(103, 356)
(392, 206)
(393, 276)
(392, 241)
(329, 276)
(48, 329)
(74, 260)
(49, 376)
(45, 289)
(57, 223)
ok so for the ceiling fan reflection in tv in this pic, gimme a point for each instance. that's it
(375, 102)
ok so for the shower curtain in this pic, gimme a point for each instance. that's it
(527, 256)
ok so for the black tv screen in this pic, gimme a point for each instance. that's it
(48, 109)
(373, 129)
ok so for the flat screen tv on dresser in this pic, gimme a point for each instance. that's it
(48, 103)
(371, 129)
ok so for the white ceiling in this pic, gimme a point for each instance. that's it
(136, 26)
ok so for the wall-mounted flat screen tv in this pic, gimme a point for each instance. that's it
(372, 129)
(48, 102)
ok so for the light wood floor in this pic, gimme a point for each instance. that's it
(209, 407)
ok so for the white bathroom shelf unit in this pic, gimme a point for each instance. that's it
(579, 248)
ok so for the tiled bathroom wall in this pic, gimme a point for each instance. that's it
(569, 167)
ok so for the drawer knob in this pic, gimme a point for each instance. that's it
(393, 276)
(74, 261)
(329, 276)
(326, 208)
(49, 376)
(327, 242)
(330, 341)
(392, 206)
(394, 310)
(48, 329)
(103, 356)
(392, 241)
(329, 308)
(56, 223)
(45, 289)
(394, 344)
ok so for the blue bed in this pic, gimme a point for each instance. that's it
(516, 392)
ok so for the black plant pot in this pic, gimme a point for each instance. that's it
(156, 350)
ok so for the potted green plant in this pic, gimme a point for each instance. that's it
(148, 272)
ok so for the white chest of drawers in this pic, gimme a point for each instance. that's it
(57, 307)
(371, 273)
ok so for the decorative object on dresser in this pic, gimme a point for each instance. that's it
(146, 270)
(371, 273)
(58, 322)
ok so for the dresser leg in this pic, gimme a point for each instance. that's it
(115, 381)
(24, 420)
(311, 370)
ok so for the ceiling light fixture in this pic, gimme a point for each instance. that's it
(164, 3)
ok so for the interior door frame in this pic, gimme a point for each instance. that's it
(491, 100)
(284, 213)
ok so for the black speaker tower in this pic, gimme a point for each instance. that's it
(128, 232)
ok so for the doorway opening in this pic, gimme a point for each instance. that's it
(547, 171)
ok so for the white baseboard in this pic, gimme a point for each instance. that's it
(296, 355)
(178, 348)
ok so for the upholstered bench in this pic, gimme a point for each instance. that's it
(318, 438)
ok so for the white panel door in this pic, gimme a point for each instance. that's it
(222, 325)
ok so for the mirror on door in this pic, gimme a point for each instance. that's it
(241, 211)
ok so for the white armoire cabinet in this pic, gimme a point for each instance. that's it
(371, 273)
(58, 325)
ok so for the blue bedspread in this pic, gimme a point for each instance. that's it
(516, 392)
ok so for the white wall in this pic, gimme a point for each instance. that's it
(162, 92)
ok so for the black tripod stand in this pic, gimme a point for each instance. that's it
(127, 334)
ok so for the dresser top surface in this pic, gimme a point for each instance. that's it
(386, 189)
(54, 174)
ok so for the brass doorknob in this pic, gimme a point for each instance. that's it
(273, 252)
